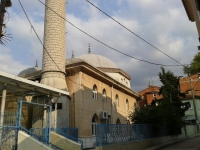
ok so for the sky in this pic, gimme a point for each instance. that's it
(163, 23)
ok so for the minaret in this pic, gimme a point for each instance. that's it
(53, 71)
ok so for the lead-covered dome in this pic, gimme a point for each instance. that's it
(28, 71)
(98, 60)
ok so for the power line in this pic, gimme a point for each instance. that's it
(133, 32)
(104, 43)
(41, 41)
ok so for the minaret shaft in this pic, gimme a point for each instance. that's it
(55, 45)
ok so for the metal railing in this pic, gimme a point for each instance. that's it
(107, 134)
(68, 136)
(8, 118)
(70, 131)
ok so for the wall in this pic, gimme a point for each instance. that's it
(137, 145)
(26, 142)
(62, 115)
(120, 78)
(83, 107)
(63, 143)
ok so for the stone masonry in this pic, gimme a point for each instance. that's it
(53, 71)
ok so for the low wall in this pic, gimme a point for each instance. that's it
(26, 142)
(137, 145)
(64, 143)
(88, 142)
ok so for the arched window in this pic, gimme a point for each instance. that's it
(104, 96)
(118, 121)
(94, 123)
(135, 105)
(94, 92)
(117, 101)
(127, 104)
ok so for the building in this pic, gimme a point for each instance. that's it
(187, 86)
(100, 93)
(192, 8)
(148, 95)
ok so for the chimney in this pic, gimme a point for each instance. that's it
(53, 71)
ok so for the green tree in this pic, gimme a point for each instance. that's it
(170, 110)
(194, 67)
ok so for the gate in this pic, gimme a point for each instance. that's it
(45, 132)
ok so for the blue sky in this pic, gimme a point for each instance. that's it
(162, 23)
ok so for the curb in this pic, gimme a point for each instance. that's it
(158, 147)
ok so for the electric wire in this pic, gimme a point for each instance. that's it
(106, 44)
(133, 32)
(41, 41)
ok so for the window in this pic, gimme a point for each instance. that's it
(118, 121)
(94, 122)
(127, 104)
(94, 92)
(59, 106)
(154, 95)
(135, 105)
(117, 101)
(104, 96)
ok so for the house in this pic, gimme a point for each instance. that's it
(149, 94)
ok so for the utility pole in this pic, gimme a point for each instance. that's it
(194, 105)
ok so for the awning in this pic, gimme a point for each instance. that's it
(19, 86)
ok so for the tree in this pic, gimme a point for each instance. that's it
(194, 67)
(169, 112)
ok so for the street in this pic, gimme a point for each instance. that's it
(188, 144)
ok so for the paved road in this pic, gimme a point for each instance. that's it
(188, 144)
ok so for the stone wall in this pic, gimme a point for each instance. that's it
(84, 107)
(64, 143)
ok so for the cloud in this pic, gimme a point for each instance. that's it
(164, 24)
(8, 64)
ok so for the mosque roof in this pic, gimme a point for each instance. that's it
(29, 71)
(98, 60)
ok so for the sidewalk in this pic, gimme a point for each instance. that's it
(161, 146)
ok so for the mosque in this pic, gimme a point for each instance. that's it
(99, 91)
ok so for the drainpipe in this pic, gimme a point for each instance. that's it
(194, 104)
(112, 114)
(3, 101)
(55, 114)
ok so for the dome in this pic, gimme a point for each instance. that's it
(98, 60)
(29, 71)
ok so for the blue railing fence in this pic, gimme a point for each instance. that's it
(107, 134)
(69, 131)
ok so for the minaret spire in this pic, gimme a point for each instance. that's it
(89, 51)
(36, 64)
(73, 54)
